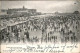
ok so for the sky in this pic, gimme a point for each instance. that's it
(44, 6)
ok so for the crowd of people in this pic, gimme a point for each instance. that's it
(67, 28)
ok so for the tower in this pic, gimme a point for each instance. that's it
(23, 7)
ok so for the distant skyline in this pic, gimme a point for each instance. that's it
(44, 6)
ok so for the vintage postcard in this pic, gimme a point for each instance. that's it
(40, 26)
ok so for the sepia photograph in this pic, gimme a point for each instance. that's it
(40, 22)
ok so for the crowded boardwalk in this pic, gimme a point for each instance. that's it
(40, 28)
